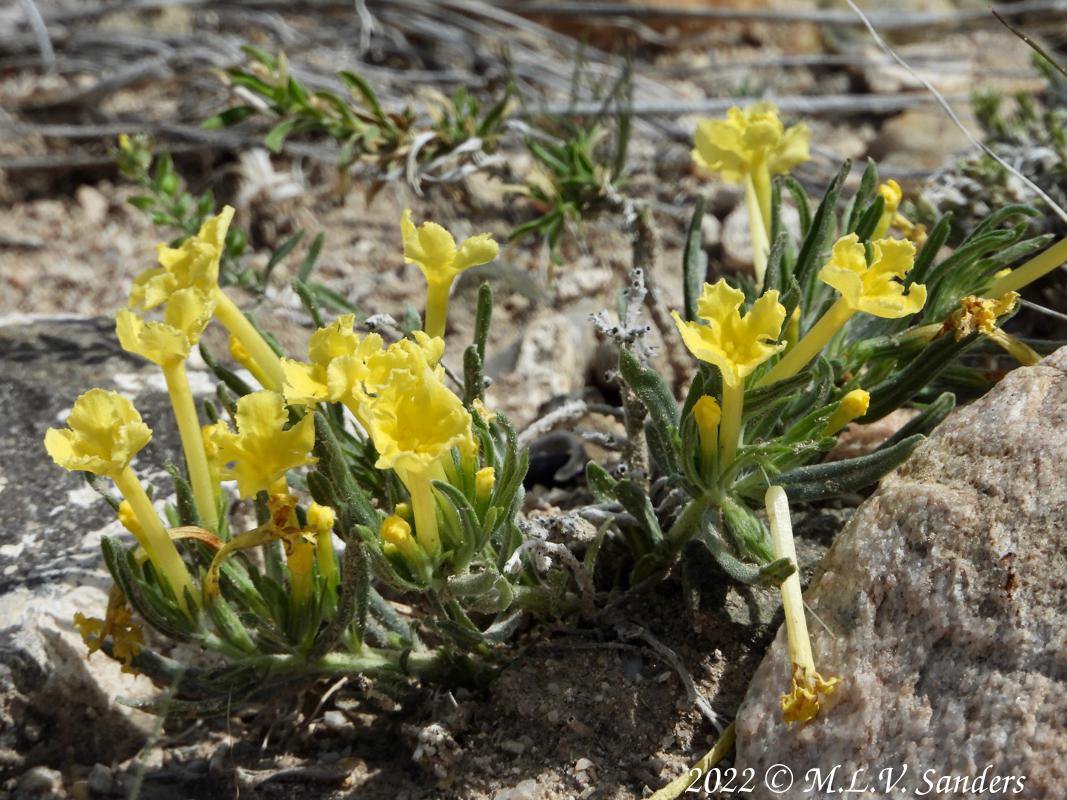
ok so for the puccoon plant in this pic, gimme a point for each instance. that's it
(863, 314)
(367, 474)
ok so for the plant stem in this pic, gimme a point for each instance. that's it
(796, 625)
(1036, 267)
(181, 399)
(811, 345)
(733, 401)
(245, 332)
(154, 537)
(436, 307)
(423, 508)
(761, 245)
(721, 750)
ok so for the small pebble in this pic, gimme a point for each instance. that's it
(40, 780)
(336, 721)
(513, 747)
(582, 764)
(100, 779)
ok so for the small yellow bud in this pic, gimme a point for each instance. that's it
(707, 414)
(396, 531)
(852, 406)
(892, 195)
(129, 519)
(484, 480)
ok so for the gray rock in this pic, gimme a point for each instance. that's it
(51, 524)
(947, 598)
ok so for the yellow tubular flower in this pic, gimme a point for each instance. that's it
(434, 251)
(168, 344)
(892, 195)
(195, 264)
(736, 345)
(852, 406)
(748, 147)
(707, 413)
(801, 704)
(872, 289)
(262, 450)
(104, 435)
(414, 423)
(1037, 267)
(321, 520)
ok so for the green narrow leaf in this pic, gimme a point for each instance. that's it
(919, 373)
(311, 258)
(274, 140)
(823, 481)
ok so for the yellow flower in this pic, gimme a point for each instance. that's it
(802, 704)
(105, 432)
(321, 520)
(307, 384)
(736, 345)
(434, 251)
(872, 288)
(747, 138)
(852, 406)
(262, 450)
(749, 147)
(415, 421)
(188, 313)
(104, 435)
(193, 264)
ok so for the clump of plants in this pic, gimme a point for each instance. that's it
(359, 124)
(313, 490)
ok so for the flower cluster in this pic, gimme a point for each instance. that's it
(407, 428)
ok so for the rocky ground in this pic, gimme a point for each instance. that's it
(580, 709)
